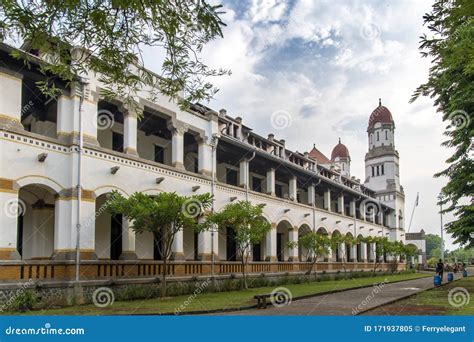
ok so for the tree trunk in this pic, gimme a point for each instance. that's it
(163, 283)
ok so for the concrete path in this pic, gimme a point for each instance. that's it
(347, 302)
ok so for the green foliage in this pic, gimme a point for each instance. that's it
(164, 215)
(112, 36)
(24, 300)
(432, 241)
(451, 85)
(316, 245)
(461, 255)
(248, 224)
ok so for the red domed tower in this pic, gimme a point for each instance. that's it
(340, 156)
(382, 166)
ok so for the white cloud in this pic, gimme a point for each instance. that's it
(322, 65)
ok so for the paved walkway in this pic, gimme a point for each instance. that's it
(347, 302)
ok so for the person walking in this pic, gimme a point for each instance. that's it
(440, 269)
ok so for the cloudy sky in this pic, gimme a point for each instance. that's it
(327, 63)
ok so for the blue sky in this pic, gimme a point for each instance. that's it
(326, 64)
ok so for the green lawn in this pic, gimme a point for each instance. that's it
(435, 301)
(220, 300)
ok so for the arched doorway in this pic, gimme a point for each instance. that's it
(283, 237)
(303, 253)
(36, 221)
(336, 251)
(359, 256)
(108, 231)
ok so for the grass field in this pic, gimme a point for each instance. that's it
(435, 301)
(220, 300)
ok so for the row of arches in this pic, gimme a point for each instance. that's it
(38, 224)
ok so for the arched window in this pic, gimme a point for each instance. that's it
(378, 137)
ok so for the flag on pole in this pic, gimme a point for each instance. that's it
(417, 199)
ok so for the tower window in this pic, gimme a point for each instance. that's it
(373, 174)
(383, 172)
(386, 135)
(378, 137)
(378, 174)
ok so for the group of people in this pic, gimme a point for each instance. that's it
(441, 267)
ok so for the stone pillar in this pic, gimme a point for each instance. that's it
(380, 214)
(293, 237)
(130, 133)
(10, 99)
(311, 195)
(352, 209)
(177, 149)
(244, 173)
(11, 207)
(329, 257)
(205, 158)
(362, 211)
(271, 182)
(128, 241)
(363, 252)
(292, 189)
(271, 244)
(340, 204)
(205, 245)
(177, 249)
(327, 200)
(353, 253)
(373, 251)
(65, 226)
(342, 252)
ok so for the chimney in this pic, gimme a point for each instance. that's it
(222, 112)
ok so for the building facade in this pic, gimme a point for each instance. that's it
(49, 186)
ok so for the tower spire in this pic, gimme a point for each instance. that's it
(380, 101)
(339, 140)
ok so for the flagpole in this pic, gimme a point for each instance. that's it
(413, 211)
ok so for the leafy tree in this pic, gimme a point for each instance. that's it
(248, 224)
(398, 251)
(113, 34)
(164, 215)
(451, 85)
(382, 246)
(316, 245)
(337, 240)
(432, 241)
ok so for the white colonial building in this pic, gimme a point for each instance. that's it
(49, 186)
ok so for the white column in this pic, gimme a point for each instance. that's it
(11, 207)
(293, 237)
(352, 208)
(271, 244)
(130, 133)
(327, 200)
(373, 251)
(363, 251)
(292, 188)
(271, 182)
(177, 149)
(177, 249)
(340, 204)
(342, 252)
(205, 245)
(353, 253)
(311, 194)
(205, 159)
(128, 241)
(380, 217)
(362, 211)
(10, 99)
(65, 228)
(244, 173)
